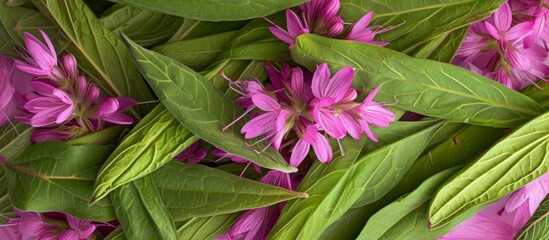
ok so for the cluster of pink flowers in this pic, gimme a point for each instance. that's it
(53, 96)
(320, 17)
(31, 225)
(511, 46)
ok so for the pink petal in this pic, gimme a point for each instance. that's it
(320, 80)
(300, 151)
(265, 102)
(503, 17)
(338, 85)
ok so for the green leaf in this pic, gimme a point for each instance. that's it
(144, 27)
(58, 177)
(538, 225)
(117, 234)
(193, 190)
(110, 135)
(6, 208)
(100, 53)
(215, 10)
(451, 92)
(207, 227)
(514, 161)
(540, 96)
(155, 141)
(421, 21)
(392, 219)
(444, 47)
(191, 29)
(141, 211)
(14, 139)
(197, 53)
(333, 192)
(200, 107)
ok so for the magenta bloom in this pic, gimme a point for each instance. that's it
(192, 154)
(14, 84)
(48, 105)
(321, 17)
(41, 59)
(31, 225)
(502, 220)
(310, 136)
(295, 27)
(111, 109)
(361, 33)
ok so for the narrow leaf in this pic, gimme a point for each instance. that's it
(215, 10)
(514, 161)
(207, 227)
(14, 139)
(156, 140)
(200, 107)
(141, 211)
(451, 92)
(110, 135)
(538, 226)
(193, 190)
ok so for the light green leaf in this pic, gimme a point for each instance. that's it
(200, 107)
(144, 27)
(450, 92)
(100, 53)
(514, 161)
(333, 192)
(421, 21)
(207, 227)
(212, 10)
(156, 140)
(58, 177)
(194, 190)
(391, 219)
(538, 226)
(14, 139)
(141, 211)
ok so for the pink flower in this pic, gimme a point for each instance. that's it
(503, 219)
(321, 17)
(31, 225)
(192, 154)
(48, 105)
(41, 59)
(111, 109)
(257, 223)
(14, 84)
(295, 27)
(361, 33)
(310, 136)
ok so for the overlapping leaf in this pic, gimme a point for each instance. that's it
(211, 10)
(421, 21)
(538, 226)
(100, 53)
(516, 160)
(207, 227)
(14, 139)
(141, 211)
(193, 190)
(333, 191)
(58, 177)
(156, 140)
(200, 107)
(449, 92)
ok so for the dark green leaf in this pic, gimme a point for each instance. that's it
(141, 211)
(444, 47)
(143, 26)
(117, 234)
(14, 139)
(207, 227)
(6, 208)
(100, 53)
(156, 140)
(450, 92)
(106, 136)
(193, 190)
(58, 177)
(200, 107)
(541, 96)
(421, 21)
(538, 226)
(190, 29)
(215, 10)
(333, 192)
(514, 161)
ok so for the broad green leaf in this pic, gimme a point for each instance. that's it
(143, 26)
(117, 234)
(444, 47)
(450, 92)
(392, 218)
(100, 53)
(14, 139)
(421, 21)
(207, 227)
(190, 29)
(200, 107)
(58, 177)
(141, 211)
(538, 226)
(539, 95)
(194, 190)
(197, 53)
(271, 50)
(156, 140)
(211, 10)
(110, 135)
(332, 193)
(514, 161)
